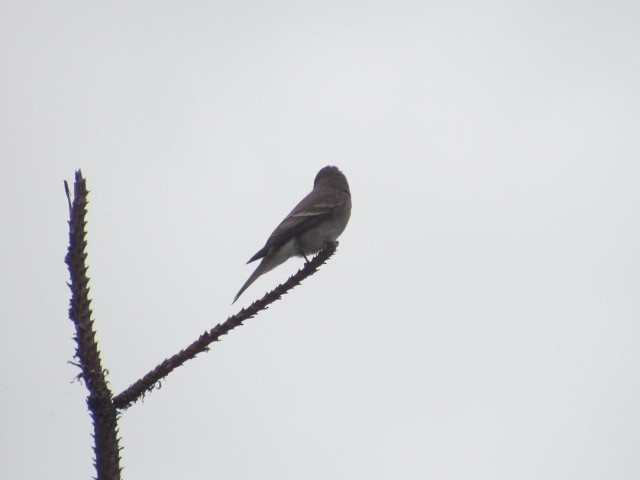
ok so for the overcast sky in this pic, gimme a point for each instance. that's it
(480, 319)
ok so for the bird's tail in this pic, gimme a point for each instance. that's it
(268, 263)
(254, 276)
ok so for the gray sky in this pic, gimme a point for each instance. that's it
(480, 318)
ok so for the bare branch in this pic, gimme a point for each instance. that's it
(152, 379)
(99, 401)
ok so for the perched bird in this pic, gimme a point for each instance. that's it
(320, 217)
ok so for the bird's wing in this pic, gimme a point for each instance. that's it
(310, 211)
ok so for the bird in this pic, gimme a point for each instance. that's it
(318, 218)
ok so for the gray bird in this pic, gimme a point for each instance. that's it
(320, 217)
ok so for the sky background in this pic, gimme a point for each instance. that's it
(480, 319)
